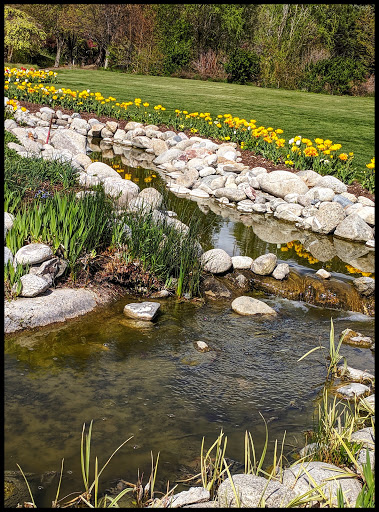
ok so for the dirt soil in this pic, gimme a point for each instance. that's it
(248, 157)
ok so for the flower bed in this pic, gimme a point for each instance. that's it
(321, 155)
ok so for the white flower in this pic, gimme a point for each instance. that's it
(298, 142)
(291, 141)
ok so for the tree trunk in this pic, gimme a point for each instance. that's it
(10, 54)
(106, 62)
(59, 51)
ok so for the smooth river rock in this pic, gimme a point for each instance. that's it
(33, 253)
(242, 262)
(216, 261)
(249, 490)
(281, 183)
(307, 475)
(265, 264)
(54, 306)
(246, 305)
(33, 285)
(146, 311)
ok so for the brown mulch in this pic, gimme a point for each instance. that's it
(248, 157)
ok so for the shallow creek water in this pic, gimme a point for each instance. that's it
(151, 382)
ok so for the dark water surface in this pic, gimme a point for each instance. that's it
(151, 383)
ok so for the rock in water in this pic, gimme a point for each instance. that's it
(246, 305)
(142, 310)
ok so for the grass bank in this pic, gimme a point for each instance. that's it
(347, 120)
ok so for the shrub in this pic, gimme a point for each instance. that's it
(242, 66)
(337, 75)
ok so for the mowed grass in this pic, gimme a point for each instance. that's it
(347, 120)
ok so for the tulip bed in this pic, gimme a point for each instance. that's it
(321, 155)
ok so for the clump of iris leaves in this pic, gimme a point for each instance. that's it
(42, 197)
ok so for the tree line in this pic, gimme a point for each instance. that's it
(326, 48)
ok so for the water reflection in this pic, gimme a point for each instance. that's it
(245, 234)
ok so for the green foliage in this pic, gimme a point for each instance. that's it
(335, 76)
(28, 174)
(21, 32)
(242, 66)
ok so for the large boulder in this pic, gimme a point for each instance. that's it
(307, 475)
(167, 156)
(254, 491)
(70, 140)
(353, 227)
(114, 187)
(152, 196)
(265, 264)
(353, 390)
(247, 306)
(331, 182)
(328, 217)
(102, 171)
(216, 261)
(33, 253)
(281, 183)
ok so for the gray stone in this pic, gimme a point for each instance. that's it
(95, 130)
(33, 253)
(302, 477)
(188, 179)
(323, 194)
(281, 271)
(342, 200)
(10, 124)
(328, 217)
(365, 285)
(247, 306)
(80, 124)
(365, 201)
(242, 262)
(102, 171)
(356, 338)
(207, 171)
(331, 182)
(56, 306)
(8, 220)
(199, 193)
(151, 196)
(146, 311)
(233, 194)
(33, 285)
(323, 273)
(367, 213)
(216, 261)
(353, 227)
(167, 156)
(265, 264)
(281, 183)
(114, 187)
(193, 495)
(355, 375)
(8, 256)
(69, 140)
(250, 489)
(353, 390)
(309, 177)
(216, 183)
(83, 160)
(112, 126)
(119, 135)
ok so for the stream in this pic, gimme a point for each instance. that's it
(151, 383)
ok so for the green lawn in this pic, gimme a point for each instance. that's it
(343, 119)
